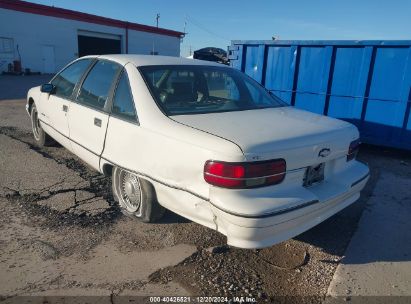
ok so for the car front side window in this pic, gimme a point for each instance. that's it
(96, 87)
(123, 104)
(66, 81)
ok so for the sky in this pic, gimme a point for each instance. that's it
(216, 23)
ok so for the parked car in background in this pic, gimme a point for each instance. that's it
(203, 140)
(211, 54)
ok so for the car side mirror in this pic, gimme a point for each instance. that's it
(48, 88)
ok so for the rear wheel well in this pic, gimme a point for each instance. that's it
(31, 102)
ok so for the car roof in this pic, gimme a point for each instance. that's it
(143, 60)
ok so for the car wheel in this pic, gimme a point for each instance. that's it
(41, 137)
(136, 196)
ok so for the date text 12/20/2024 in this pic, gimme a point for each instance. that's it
(185, 299)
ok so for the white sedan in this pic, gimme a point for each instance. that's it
(203, 140)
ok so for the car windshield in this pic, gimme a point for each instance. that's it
(194, 89)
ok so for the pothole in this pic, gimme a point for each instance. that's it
(84, 199)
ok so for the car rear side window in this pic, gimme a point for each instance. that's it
(123, 104)
(96, 87)
(68, 78)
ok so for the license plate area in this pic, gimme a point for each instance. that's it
(314, 175)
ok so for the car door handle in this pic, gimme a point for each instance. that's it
(65, 108)
(97, 122)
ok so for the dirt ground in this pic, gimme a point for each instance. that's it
(61, 234)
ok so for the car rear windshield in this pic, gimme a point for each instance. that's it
(194, 89)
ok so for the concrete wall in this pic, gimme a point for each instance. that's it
(31, 32)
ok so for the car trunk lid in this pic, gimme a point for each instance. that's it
(302, 138)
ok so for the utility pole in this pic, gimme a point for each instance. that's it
(157, 17)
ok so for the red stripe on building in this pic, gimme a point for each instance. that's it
(51, 11)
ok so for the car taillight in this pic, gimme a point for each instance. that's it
(353, 149)
(244, 175)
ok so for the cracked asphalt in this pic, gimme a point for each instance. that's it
(61, 233)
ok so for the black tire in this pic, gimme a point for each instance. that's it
(136, 196)
(42, 138)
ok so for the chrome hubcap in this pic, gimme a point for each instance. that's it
(130, 191)
(129, 188)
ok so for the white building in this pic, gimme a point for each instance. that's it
(46, 38)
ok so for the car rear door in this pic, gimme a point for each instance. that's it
(56, 105)
(124, 136)
(89, 114)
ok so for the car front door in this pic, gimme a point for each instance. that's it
(88, 116)
(57, 104)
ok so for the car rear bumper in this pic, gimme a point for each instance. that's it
(321, 202)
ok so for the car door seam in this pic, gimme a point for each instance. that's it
(108, 107)
(104, 142)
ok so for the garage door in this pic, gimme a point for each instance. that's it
(90, 43)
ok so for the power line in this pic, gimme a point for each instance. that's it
(200, 26)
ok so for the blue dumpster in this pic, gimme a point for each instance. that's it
(365, 82)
